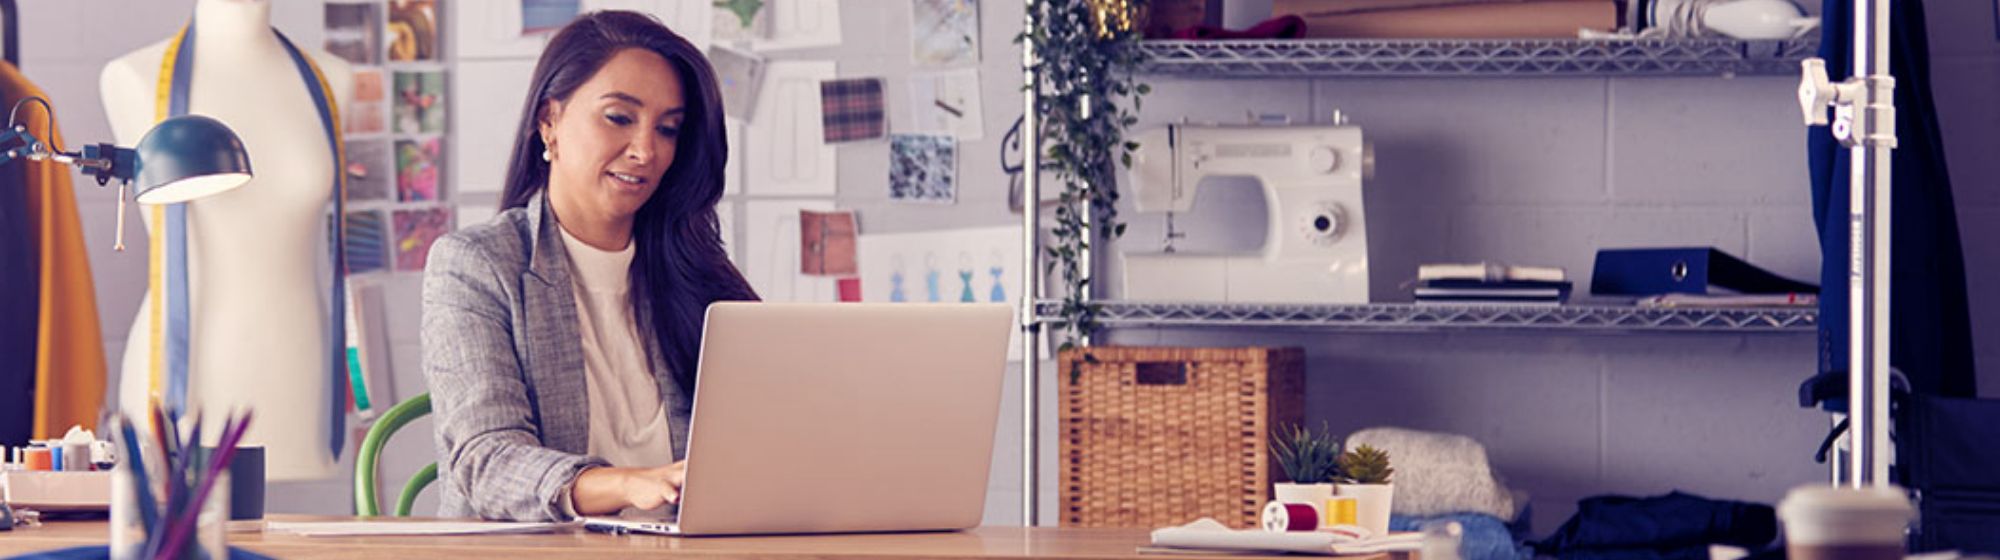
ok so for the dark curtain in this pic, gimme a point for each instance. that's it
(1930, 331)
(20, 305)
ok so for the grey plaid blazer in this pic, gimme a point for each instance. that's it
(504, 359)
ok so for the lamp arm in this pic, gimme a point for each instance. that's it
(14, 115)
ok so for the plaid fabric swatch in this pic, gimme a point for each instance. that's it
(852, 108)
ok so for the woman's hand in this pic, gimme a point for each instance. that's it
(608, 490)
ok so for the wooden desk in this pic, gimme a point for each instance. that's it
(981, 543)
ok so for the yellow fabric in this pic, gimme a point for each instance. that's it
(69, 352)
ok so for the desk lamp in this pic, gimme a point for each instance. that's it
(181, 159)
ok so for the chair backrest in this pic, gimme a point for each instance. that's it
(370, 459)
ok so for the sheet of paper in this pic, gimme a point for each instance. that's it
(798, 24)
(944, 33)
(725, 214)
(732, 171)
(772, 252)
(689, 18)
(946, 266)
(740, 75)
(365, 241)
(787, 154)
(946, 103)
(494, 91)
(364, 528)
(545, 16)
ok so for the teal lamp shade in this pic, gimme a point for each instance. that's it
(189, 157)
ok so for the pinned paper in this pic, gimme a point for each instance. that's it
(946, 103)
(416, 230)
(791, 24)
(944, 32)
(787, 153)
(368, 113)
(417, 163)
(949, 266)
(366, 243)
(739, 75)
(354, 31)
(420, 104)
(543, 16)
(413, 31)
(371, 170)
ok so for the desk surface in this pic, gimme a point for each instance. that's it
(981, 543)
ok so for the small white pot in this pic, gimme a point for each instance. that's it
(1371, 505)
(1314, 495)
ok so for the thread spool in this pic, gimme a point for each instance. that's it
(55, 457)
(1341, 511)
(37, 458)
(76, 456)
(1280, 517)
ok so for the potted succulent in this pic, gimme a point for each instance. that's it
(1365, 474)
(1311, 460)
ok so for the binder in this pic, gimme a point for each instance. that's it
(1686, 270)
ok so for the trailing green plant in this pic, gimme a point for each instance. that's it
(1085, 54)
(1366, 465)
(1308, 457)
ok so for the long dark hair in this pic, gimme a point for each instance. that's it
(680, 266)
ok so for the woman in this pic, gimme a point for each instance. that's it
(560, 338)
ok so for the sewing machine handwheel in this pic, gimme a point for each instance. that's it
(1324, 224)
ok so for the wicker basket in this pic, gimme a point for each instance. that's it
(1154, 437)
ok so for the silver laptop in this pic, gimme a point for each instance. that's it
(834, 418)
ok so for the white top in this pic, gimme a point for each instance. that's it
(628, 423)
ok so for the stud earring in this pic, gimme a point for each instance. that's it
(547, 156)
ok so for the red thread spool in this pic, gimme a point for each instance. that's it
(1282, 517)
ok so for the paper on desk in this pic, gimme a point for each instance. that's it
(1210, 534)
(410, 528)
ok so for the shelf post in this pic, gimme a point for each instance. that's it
(1031, 285)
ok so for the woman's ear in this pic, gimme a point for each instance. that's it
(545, 120)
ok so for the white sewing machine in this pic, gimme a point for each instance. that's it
(1316, 241)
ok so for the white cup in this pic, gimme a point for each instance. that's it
(1838, 523)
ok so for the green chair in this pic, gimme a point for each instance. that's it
(366, 465)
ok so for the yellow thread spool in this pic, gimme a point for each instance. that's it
(1339, 511)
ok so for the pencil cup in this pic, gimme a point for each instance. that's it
(129, 530)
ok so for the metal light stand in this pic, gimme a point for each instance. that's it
(1031, 278)
(1865, 122)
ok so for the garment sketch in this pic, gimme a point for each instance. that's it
(965, 279)
(931, 277)
(999, 271)
(896, 279)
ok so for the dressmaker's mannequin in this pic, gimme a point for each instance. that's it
(257, 262)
